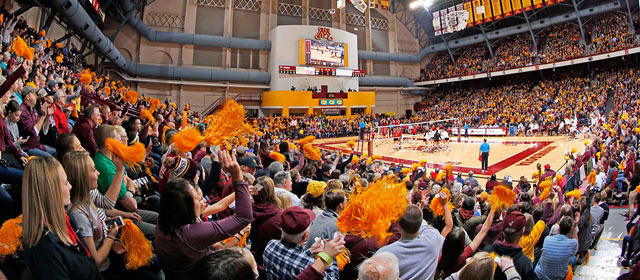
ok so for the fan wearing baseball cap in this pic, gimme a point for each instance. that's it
(286, 258)
(513, 229)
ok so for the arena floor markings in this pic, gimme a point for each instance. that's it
(515, 156)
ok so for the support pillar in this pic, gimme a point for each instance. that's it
(347, 112)
(285, 111)
(367, 110)
(310, 111)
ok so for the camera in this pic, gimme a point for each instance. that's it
(332, 11)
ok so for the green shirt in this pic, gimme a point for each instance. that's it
(107, 170)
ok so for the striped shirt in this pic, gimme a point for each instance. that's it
(557, 252)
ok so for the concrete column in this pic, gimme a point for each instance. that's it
(367, 110)
(190, 28)
(268, 20)
(305, 10)
(348, 111)
(285, 111)
(228, 32)
(368, 43)
(310, 111)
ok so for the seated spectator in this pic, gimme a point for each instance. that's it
(558, 251)
(51, 246)
(84, 129)
(32, 122)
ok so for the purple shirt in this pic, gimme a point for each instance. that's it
(180, 251)
(27, 127)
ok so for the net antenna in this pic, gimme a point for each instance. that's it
(457, 20)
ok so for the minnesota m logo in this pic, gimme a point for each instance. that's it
(324, 33)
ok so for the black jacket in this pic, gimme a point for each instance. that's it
(522, 263)
(50, 259)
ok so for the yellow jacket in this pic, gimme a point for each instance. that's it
(528, 242)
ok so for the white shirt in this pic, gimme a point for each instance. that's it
(295, 201)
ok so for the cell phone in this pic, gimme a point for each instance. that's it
(109, 223)
(28, 137)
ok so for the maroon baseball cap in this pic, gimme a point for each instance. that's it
(296, 220)
(514, 220)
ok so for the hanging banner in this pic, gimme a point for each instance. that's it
(452, 20)
(538, 4)
(462, 23)
(488, 14)
(549, 2)
(517, 6)
(506, 8)
(478, 11)
(469, 8)
(497, 11)
(526, 4)
(436, 23)
(443, 21)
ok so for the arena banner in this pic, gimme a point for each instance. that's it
(549, 2)
(517, 6)
(506, 8)
(437, 28)
(488, 14)
(477, 7)
(469, 8)
(443, 21)
(497, 10)
(479, 131)
(452, 21)
(538, 4)
(527, 5)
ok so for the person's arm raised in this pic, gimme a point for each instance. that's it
(483, 231)
(448, 220)
(116, 183)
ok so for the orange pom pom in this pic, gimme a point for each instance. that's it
(85, 78)
(545, 194)
(20, 48)
(414, 166)
(306, 140)
(130, 155)
(130, 97)
(11, 236)
(229, 124)
(351, 144)
(436, 203)
(440, 176)
(405, 171)
(355, 160)
(371, 210)
(574, 193)
(311, 152)
(147, 116)
(58, 45)
(501, 197)
(185, 120)
(422, 162)
(139, 250)
(343, 259)
(155, 104)
(188, 139)
(277, 156)
(43, 33)
(376, 157)
(448, 169)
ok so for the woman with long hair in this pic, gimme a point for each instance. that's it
(181, 240)
(266, 212)
(83, 177)
(454, 253)
(263, 153)
(52, 248)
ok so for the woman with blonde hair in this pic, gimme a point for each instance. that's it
(51, 246)
(482, 266)
(83, 177)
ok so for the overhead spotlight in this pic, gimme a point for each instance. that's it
(421, 3)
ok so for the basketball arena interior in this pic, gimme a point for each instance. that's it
(319, 139)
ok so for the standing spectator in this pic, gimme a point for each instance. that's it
(419, 247)
(286, 258)
(381, 266)
(558, 251)
(324, 225)
(513, 228)
(283, 183)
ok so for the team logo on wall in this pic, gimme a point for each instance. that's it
(324, 33)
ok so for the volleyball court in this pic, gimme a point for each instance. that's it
(427, 137)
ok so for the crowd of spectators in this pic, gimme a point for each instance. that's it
(606, 33)
(244, 211)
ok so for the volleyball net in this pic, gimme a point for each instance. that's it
(412, 134)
